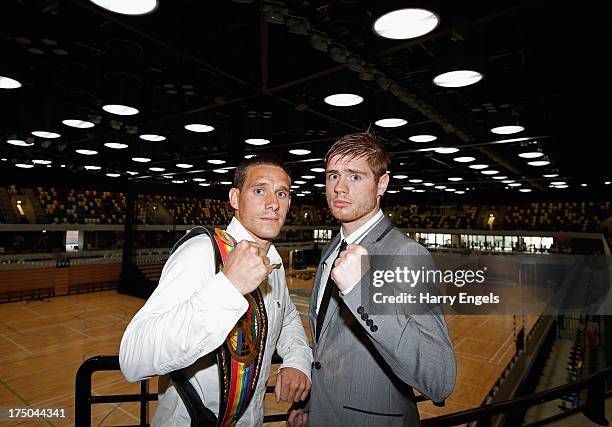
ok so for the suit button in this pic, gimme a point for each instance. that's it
(364, 316)
(360, 310)
(374, 328)
(317, 365)
(369, 322)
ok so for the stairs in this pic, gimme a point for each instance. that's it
(41, 218)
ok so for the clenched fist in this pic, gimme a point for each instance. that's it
(247, 266)
(350, 266)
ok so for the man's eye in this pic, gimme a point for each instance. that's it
(258, 191)
(281, 194)
(332, 177)
(355, 177)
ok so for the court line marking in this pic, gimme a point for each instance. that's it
(78, 332)
(25, 402)
(17, 344)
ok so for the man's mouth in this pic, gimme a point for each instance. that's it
(341, 203)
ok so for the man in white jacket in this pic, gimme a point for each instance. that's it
(192, 311)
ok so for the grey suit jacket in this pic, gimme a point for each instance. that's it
(365, 364)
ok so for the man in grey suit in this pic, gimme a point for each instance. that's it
(367, 359)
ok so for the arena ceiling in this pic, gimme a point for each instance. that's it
(263, 69)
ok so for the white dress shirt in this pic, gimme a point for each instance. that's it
(190, 314)
(352, 239)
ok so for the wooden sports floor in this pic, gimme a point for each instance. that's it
(42, 344)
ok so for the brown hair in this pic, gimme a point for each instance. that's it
(364, 144)
(264, 159)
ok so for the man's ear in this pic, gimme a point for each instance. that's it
(383, 182)
(234, 198)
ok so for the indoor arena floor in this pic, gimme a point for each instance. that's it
(42, 344)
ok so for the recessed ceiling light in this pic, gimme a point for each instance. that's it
(220, 170)
(560, 186)
(19, 143)
(198, 127)
(8, 83)
(226, 182)
(507, 130)
(317, 169)
(216, 161)
(300, 195)
(607, 183)
(390, 123)
(418, 191)
(478, 166)
(531, 155)
(131, 173)
(204, 184)
(515, 184)
(249, 156)
(408, 188)
(423, 138)
(539, 163)
(415, 180)
(45, 134)
(295, 186)
(152, 137)
(455, 178)
(299, 152)
(343, 99)
(500, 177)
(550, 175)
(184, 165)
(406, 23)
(558, 183)
(464, 159)
(115, 145)
(157, 169)
(458, 78)
(400, 176)
(460, 192)
(120, 110)
(450, 189)
(79, 124)
(92, 167)
(199, 179)
(141, 159)
(24, 165)
(113, 175)
(308, 176)
(583, 185)
(489, 172)
(319, 185)
(440, 187)
(392, 191)
(86, 152)
(168, 176)
(446, 150)
(525, 190)
(299, 182)
(305, 192)
(132, 7)
(41, 162)
(428, 184)
(178, 181)
(507, 181)
(257, 141)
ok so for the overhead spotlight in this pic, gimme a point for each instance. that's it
(115, 145)
(390, 123)
(539, 163)
(507, 130)
(423, 138)
(531, 154)
(19, 142)
(8, 83)
(86, 152)
(197, 127)
(141, 159)
(216, 161)
(257, 141)
(458, 78)
(79, 124)
(120, 110)
(343, 100)
(113, 175)
(152, 137)
(45, 134)
(300, 152)
(132, 7)
(478, 166)
(464, 159)
(404, 24)
(446, 150)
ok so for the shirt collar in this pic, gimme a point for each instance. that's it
(238, 232)
(356, 236)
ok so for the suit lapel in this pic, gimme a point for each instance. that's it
(379, 229)
(317, 282)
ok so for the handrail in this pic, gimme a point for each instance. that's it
(594, 409)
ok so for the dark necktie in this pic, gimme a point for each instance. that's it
(330, 289)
